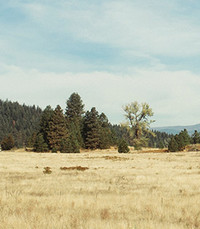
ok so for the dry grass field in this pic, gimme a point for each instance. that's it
(94, 190)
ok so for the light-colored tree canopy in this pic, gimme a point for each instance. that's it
(138, 122)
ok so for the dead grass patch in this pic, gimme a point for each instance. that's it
(115, 158)
(79, 168)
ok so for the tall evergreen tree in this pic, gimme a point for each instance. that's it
(91, 129)
(74, 109)
(196, 137)
(74, 116)
(57, 129)
(180, 141)
(40, 145)
(44, 123)
(186, 137)
(173, 145)
(105, 134)
(71, 144)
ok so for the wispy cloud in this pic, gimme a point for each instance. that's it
(111, 52)
(171, 94)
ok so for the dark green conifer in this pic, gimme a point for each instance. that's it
(74, 109)
(173, 145)
(71, 144)
(40, 144)
(74, 116)
(44, 123)
(91, 129)
(105, 134)
(186, 137)
(196, 137)
(57, 129)
(123, 146)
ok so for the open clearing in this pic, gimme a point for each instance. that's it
(100, 190)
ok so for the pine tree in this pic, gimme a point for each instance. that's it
(123, 146)
(44, 123)
(196, 137)
(71, 144)
(173, 145)
(186, 137)
(105, 134)
(74, 109)
(91, 129)
(74, 116)
(40, 144)
(57, 129)
(180, 141)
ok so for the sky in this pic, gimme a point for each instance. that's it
(111, 52)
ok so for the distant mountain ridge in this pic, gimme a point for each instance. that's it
(177, 129)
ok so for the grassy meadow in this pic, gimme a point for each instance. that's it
(100, 189)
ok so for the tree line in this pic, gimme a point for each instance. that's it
(74, 128)
(181, 140)
(17, 122)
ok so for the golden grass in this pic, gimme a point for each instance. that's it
(116, 191)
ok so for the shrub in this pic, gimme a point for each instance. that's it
(123, 147)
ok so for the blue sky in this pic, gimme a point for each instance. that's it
(110, 52)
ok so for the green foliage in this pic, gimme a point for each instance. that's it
(159, 140)
(173, 145)
(118, 132)
(74, 109)
(31, 140)
(7, 143)
(186, 137)
(179, 141)
(91, 129)
(57, 129)
(40, 144)
(74, 116)
(71, 144)
(195, 139)
(20, 121)
(46, 117)
(105, 134)
(138, 123)
(123, 146)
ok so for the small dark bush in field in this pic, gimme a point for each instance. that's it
(47, 170)
(123, 147)
(80, 168)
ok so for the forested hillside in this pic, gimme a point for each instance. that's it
(19, 121)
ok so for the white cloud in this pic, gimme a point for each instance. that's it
(138, 30)
(146, 27)
(170, 94)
